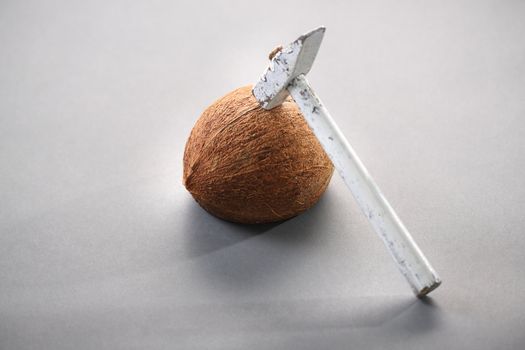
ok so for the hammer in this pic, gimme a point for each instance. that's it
(286, 76)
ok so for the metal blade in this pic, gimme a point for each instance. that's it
(295, 59)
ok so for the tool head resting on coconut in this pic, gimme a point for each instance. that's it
(288, 63)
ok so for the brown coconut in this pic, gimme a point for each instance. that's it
(245, 164)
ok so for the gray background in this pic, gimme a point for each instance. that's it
(101, 247)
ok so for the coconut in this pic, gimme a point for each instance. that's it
(246, 164)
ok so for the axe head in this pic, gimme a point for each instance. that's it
(292, 61)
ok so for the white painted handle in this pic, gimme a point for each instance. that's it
(409, 258)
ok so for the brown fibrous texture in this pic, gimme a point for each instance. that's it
(246, 164)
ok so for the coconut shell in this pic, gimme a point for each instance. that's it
(245, 164)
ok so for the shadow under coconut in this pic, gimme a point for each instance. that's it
(206, 233)
(238, 258)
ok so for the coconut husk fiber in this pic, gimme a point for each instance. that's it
(246, 164)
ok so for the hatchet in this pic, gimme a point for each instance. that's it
(286, 76)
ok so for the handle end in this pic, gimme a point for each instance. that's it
(427, 289)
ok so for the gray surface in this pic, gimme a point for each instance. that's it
(102, 248)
